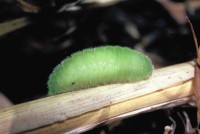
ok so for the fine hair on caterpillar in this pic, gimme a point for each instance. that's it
(99, 66)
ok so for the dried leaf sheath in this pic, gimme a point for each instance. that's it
(197, 90)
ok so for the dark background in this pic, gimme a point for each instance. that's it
(29, 54)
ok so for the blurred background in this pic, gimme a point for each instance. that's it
(36, 35)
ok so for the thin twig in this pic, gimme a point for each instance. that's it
(10, 26)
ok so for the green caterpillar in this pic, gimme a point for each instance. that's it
(99, 66)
